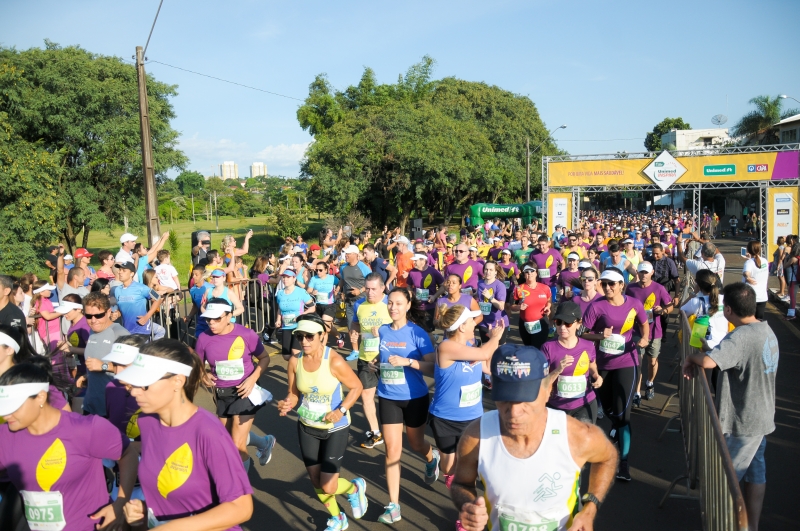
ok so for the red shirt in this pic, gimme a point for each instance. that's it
(536, 299)
(404, 265)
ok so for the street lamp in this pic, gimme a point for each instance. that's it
(784, 96)
(528, 160)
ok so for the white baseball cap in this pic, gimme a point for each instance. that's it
(146, 370)
(128, 237)
(352, 249)
(68, 257)
(419, 257)
(402, 239)
(645, 266)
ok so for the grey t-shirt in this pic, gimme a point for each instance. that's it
(98, 346)
(748, 357)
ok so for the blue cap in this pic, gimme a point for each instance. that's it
(218, 273)
(517, 372)
(289, 273)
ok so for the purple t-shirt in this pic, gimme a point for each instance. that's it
(494, 252)
(584, 305)
(424, 284)
(56, 398)
(622, 320)
(79, 333)
(190, 468)
(120, 407)
(565, 281)
(653, 295)
(494, 315)
(567, 393)
(230, 355)
(469, 272)
(548, 261)
(464, 300)
(86, 441)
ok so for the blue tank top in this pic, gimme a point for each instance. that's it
(223, 296)
(459, 392)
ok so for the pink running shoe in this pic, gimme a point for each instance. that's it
(448, 480)
(459, 527)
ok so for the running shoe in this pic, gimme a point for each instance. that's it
(789, 318)
(432, 468)
(373, 440)
(265, 454)
(352, 356)
(340, 340)
(623, 473)
(358, 500)
(448, 480)
(637, 400)
(600, 413)
(650, 393)
(459, 527)
(337, 523)
(391, 515)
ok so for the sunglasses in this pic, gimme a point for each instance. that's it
(146, 387)
(215, 319)
(321, 270)
(460, 251)
(90, 316)
(588, 279)
(607, 283)
(305, 337)
(559, 322)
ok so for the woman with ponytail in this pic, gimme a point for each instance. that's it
(709, 303)
(756, 273)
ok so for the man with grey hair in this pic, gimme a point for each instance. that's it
(710, 258)
(200, 250)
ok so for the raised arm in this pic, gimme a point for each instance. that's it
(151, 254)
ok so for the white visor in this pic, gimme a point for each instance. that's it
(611, 275)
(65, 307)
(147, 370)
(466, 314)
(585, 265)
(573, 256)
(9, 341)
(122, 354)
(44, 288)
(419, 257)
(287, 257)
(215, 311)
(13, 396)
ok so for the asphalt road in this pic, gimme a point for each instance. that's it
(284, 498)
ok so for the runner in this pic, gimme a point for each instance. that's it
(77, 333)
(424, 282)
(492, 301)
(532, 300)
(315, 379)
(403, 259)
(229, 349)
(548, 262)
(524, 443)
(292, 303)
(54, 458)
(324, 288)
(402, 393)
(132, 300)
(190, 470)
(47, 321)
(510, 268)
(454, 295)
(569, 276)
(121, 407)
(468, 270)
(656, 302)
(352, 278)
(611, 322)
(617, 260)
(573, 366)
(217, 289)
(298, 263)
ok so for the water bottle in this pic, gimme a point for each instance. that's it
(699, 330)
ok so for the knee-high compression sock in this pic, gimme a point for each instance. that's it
(345, 487)
(329, 501)
(256, 440)
(624, 441)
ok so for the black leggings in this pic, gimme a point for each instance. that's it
(535, 340)
(289, 342)
(484, 333)
(616, 394)
(322, 448)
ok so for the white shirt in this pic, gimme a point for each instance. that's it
(761, 276)
(124, 256)
(717, 324)
(166, 275)
(716, 266)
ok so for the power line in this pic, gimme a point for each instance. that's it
(226, 81)
(152, 28)
(600, 140)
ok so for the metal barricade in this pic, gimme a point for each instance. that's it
(709, 468)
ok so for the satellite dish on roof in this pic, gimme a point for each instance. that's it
(719, 119)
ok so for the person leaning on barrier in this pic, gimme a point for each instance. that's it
(748, 359)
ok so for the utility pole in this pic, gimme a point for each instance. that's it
(216, 209)
(150, 197)
(193, 220)
(527, 169)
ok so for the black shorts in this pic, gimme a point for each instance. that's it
(326, 309)
(447, 433)
(586, 413)
(413, 413)
(368, 378)
(322, 447)
(230, 404)
(289, 343)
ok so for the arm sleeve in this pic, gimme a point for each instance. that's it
(200, 348)
(104, 441)
(589, 318)
(257, 347)
(364, 269)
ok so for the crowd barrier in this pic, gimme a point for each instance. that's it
(709, 469)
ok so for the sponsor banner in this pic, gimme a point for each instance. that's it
(782, 211)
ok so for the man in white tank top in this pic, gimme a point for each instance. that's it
(528, 457)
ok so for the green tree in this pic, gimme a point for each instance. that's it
(84, 108)
(287, 222)
(190, 182)
(251, 183)
(231, 182)
(227, 206)
(216, 185)
(760, 123)
(652, 141)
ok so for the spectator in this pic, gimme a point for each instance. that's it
(50, 258)
(82, 259)
(166, 273)
(710, 258)
(200, 250)
(125, 254)
(69, 261)
(756, 274)
(748, 359)
(106, 265)
(10, 314)
(145, 257)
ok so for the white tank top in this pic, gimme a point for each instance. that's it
(540, 493)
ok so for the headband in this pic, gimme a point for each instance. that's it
(8, 341)
(611, 275)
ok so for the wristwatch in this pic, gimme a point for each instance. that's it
(589, 497)
(343, 410)
(104, 366)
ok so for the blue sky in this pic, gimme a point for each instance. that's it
(609, 70)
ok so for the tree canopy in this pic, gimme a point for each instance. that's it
(417, 146)
(190, 182)
(653, 139)
(760, 123)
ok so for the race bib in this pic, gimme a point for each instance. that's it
(571, 386)
(544, 273)
(324, 298)
(613, 344)
(471, 395)
(649, 315)
(391, 375)
(518, 520)
(313, 413)
(44, 510)
(533, 327)
(467, 291)
(423, 294)
(507, 283)
(486, 307)
(230, 369)
(371, 343)
(152, 521)
(289, 319)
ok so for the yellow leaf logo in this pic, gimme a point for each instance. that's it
(467, 273)
(51, 466)
(427, 282)
(582, 366)
(132, 430)
(176, 470)
(237, 349)
(74, 340)
(650, 301)
(628, 321)
(549, 261)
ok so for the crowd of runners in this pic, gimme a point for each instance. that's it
(512, 410)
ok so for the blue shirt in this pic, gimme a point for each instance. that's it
(210, 287)
(324, 287)
(411, 342)
(132, 303)
(291, 306)
(458, 395)
(197, 293)
(141, 266)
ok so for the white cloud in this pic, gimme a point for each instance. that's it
(205, 155)
(283, 155)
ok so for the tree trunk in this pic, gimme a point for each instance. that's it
(85, 237)
(69, 236)
(403, 223)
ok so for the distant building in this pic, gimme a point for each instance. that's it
(229, 170)
(258, 169)
(789, 130)
(690, 139)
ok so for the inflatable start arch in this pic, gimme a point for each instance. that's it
(480, 212)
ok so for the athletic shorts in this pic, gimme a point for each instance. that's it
(653, 349)
(230, 404)
(747, 454)
(413, 413)
(367, 377)
(323, 448)
(289, 343)
(586, 413)
(326, 309)
(447, 433)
